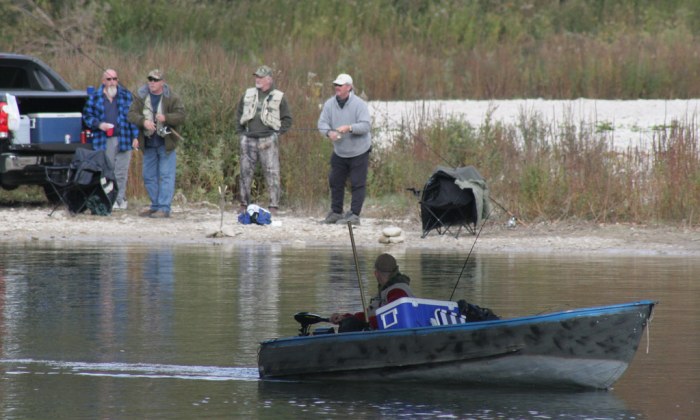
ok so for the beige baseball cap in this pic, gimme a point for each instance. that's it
(343, 79)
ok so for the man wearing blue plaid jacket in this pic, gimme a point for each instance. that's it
(105, 113)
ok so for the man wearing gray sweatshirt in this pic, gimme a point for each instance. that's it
(345, 120)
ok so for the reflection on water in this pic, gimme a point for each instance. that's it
(258, 292)
(135, 331)
(375, 401)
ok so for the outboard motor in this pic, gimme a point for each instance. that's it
(306, 320)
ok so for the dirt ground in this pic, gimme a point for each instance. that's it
(201, 223)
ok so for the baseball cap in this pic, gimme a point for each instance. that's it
(263, 71)
(343, 79)
(156, 74)
(386, 263)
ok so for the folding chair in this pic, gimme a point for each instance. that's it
(87, 183)
(452, 200)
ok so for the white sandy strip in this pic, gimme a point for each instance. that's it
(627, 123)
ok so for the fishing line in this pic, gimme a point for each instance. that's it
(418, 138)
(46, 19)
(468, 255)
(445, 160)
(43, 16)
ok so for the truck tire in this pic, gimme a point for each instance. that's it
(8, 187)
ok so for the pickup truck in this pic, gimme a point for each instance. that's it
(37, 89)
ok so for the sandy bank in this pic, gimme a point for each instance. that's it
(198, 224)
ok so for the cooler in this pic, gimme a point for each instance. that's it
(55, 127)
(414, 312)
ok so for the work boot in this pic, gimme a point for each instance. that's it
(146, 212)
(349, 217)
(160, 214)
(332, 218)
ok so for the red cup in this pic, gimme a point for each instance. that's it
(110, 132)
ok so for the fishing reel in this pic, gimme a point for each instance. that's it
(163, 130)
(307, 319)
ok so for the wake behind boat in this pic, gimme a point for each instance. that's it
(579, 348)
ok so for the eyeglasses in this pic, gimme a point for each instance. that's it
(109, 79)
(153, 79)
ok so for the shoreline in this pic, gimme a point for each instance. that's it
(201, 224)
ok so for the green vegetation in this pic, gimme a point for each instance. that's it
(401, 50)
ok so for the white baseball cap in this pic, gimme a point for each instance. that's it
(343, 79)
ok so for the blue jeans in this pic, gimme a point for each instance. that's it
(159, 176)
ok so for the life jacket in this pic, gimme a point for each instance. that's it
(270, 112)
(398, 281)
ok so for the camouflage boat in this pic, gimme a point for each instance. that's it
(579, 348)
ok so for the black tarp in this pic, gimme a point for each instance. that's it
(454, 197)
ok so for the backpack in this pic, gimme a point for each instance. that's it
(255, 214)
(475, 313)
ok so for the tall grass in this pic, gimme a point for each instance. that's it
(406, 50)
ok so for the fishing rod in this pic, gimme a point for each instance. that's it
(46, 19)
(450, 164)
(357, 268)
(39, 14)
(467, 259)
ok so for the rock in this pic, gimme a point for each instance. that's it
(392, 235)
(391, 231)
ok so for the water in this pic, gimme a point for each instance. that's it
(172, 332)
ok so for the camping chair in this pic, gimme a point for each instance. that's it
(87, 183)
(452, 200)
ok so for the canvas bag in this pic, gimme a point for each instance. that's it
(255, 214)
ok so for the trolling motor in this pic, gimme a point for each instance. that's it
(307, 319)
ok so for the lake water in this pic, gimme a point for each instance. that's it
(173, 332)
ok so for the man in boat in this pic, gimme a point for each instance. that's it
(392, 285)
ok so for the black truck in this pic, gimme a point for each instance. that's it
(39, 92)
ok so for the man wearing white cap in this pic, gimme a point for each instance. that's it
(345, 120)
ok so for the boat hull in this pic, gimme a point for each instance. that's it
(584, 348)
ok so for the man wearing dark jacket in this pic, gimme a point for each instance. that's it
(157, 111)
